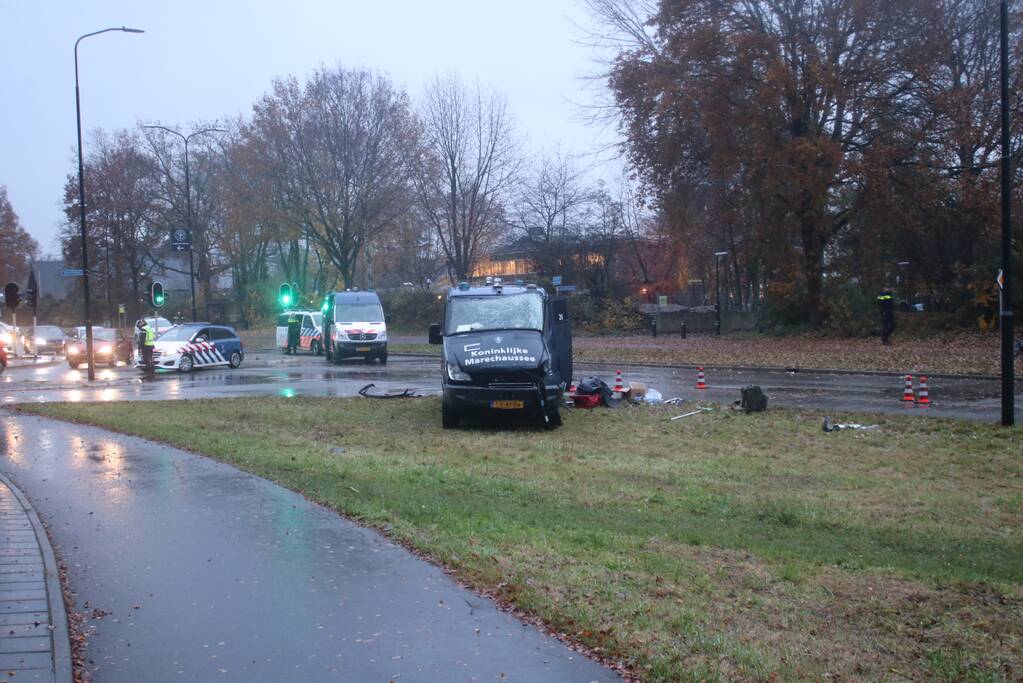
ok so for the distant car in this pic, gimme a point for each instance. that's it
(311, 335)
(108, 346)
(196, 345)
(8, 336)
(159, 324)
(48, 339)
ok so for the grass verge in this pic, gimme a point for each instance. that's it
(719, 547)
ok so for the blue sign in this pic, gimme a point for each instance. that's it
(556, 280)
(72, 272)
(565, 288)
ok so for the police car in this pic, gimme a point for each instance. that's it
(195, 345)
(311, 335)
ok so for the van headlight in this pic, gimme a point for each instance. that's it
(455, 373)
(382, 335)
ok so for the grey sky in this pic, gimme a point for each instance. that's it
(206, 60)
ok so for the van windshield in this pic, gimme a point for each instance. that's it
(358, 313)
(504, 312)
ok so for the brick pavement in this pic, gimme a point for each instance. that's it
(34, 642)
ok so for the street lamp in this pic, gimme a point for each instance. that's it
(1008, 400)
(81, 200)
(188, 202)
(717, 280)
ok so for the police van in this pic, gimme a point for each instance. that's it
(356, 326)
(507, 350)
(195, 345)
(311, 335)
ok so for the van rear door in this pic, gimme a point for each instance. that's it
(561, 339)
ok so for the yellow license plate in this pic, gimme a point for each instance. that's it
(362, 349)
(507, 405)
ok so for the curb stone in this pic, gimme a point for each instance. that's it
(60, 637)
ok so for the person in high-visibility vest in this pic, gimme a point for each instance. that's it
(146, 339)
(886, 307)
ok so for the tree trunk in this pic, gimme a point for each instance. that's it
(813, 266)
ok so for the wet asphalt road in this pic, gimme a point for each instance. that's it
(193, 570)
(270, 374)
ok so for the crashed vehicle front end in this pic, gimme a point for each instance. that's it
(498, 357)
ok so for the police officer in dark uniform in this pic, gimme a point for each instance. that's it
(294, 331)
(886, 307)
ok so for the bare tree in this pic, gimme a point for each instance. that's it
(336, 150)
(125, 213)
(548, 212)
(465, 168)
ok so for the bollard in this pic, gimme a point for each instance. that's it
(653, 326)
(683, 329)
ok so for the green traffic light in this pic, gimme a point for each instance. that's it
(286, 300)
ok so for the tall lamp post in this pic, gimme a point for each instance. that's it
(717, 282)
(188, 202)
(1008, 400)
(81, 200)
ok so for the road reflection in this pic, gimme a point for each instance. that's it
(12, 443)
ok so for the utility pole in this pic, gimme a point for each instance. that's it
(717, 282)
(1006, 318)
(83, 234)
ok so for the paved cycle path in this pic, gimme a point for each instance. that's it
(189, 569)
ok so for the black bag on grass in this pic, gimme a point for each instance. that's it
(754, 400)
(593, 385)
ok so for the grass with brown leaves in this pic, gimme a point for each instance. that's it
(720, 547)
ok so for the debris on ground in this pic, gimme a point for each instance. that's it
(829, 426)
(594, 386)
(652, 397)
(690, 414)
(407, 393)
(674, 401)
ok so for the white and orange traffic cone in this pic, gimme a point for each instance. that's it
(619, 384)
(907, 392)
(701, 381)
(924, 397)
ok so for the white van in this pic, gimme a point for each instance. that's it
(310, 338)
(358, 328)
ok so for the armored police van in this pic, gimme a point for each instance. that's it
(507, 350)
(354, 327)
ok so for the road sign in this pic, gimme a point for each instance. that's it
(662, 300)
(556, 280)
(565, 288)
(121, 308)
(181, 239)
(1000, 279)
(72, 272)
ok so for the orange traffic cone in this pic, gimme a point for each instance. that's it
(924, 398)
(907, 393)
(619, 385)
(571, 387)
(701, 381)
